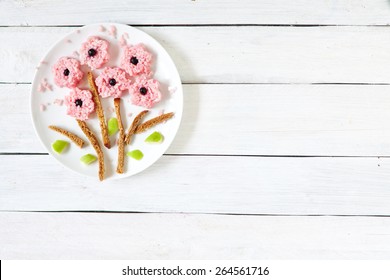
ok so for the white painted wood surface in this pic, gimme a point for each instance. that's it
(330, 120)
(199, 184)
(246, 54)
(250, 94)
(171, 236)
(73, 12)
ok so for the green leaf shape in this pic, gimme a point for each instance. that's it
(59, 146)
(88, 159)
(135, 154)
(112, 126)
(155, 137)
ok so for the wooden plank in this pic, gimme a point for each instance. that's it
(245, 185)
(73, 12)
(156, 236)
(247, 54)
(249, 120)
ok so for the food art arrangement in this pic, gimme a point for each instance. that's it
(90, 79)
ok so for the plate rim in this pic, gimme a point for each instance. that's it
(34, 81)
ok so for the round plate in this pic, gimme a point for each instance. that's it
(46, 108)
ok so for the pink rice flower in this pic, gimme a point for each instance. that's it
(79, 104)
(94, 52)
(136, 60)
(112, 81)
(67, 72)
(145, 92)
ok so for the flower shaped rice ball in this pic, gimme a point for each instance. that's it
(79, 104)
(94, 52)
(67, 72)
(145, 92)
(112, 81)
(136, 60)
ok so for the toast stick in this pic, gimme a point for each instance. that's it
(75, 139)
(99, 110)
(95, 143)
(121, 141)
(134, 126)
(152, 122)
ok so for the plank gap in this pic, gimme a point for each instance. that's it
(211, 25)
(197, 213)
(247, 83)
(225, 155)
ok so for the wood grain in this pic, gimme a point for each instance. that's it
(197, 184)
(331, 120)
(249, 54)
(156, 236)
(73, 12)
(227, 112)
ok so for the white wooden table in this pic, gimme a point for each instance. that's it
(283, 151)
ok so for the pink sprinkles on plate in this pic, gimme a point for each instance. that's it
(58, 102)
(172, 89)
(122, 41)
(44, 85)
(112, 31)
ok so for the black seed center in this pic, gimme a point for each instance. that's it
(78, 103)
(143, 90)
(91, 52)
(134, 60)
(112, 82)
(66, 72)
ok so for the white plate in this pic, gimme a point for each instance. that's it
(172, 101)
